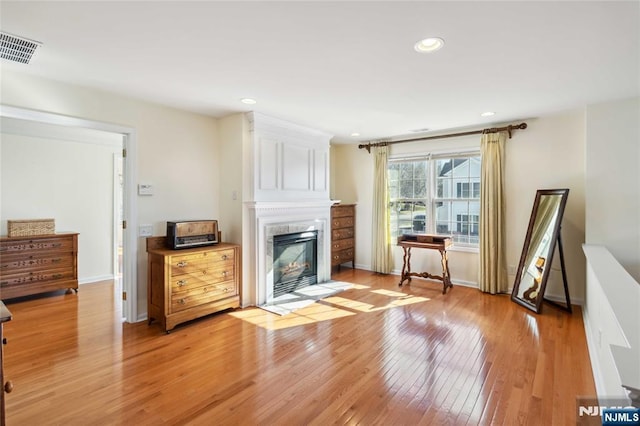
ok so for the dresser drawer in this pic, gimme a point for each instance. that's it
(342, 222)
(342, 256)
(201, 263)
(48, 244)
(342, 211)
(14, 262)
(215, 273)
(337, 245)
(201, 295)
(214, 256)
(36, 276)
(339, 234)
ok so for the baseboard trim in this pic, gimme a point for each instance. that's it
(97, 278)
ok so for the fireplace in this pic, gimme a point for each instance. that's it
(295, 261)
(271, 220)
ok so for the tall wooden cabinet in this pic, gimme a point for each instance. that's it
(343, 234)
(38, 264)
(190, 283)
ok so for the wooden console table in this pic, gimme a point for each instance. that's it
(433, 242)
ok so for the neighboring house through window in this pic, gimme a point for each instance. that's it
(437, 194)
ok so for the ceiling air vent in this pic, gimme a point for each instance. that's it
(17, 49)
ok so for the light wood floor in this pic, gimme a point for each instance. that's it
(376, 354)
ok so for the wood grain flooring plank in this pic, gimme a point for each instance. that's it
(376, 354)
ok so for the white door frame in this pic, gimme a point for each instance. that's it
(130, 243)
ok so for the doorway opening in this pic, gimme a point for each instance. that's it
(125, 242)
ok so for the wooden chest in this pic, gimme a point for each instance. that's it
(343, 221)
(38, 264)
(187, 284)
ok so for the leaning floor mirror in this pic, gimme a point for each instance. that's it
(539, 247)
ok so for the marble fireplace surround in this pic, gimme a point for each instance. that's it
(277, 218)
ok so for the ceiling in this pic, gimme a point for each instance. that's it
(342, 67)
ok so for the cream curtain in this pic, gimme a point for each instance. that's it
(382, 259)
(493, 268)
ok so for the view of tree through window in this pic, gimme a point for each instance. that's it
(439, 195)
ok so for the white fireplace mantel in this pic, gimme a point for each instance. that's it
(277, 218)
(287, 192)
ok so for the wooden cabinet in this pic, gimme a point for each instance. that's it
(7, 387)
(190, 283)
(343, 222)
(38, 264)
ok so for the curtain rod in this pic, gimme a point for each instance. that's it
(509, 128)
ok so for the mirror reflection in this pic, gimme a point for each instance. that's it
(536, 258)
(539, 247)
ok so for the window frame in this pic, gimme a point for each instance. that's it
(431, 199)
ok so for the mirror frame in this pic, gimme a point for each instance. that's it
(537, 307)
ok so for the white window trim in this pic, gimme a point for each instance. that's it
(431, 187)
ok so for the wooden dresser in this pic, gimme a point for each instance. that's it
(186, 284)
(343, 222)
(38, 264)
(7, 387)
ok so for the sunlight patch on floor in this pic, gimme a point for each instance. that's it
(390, 293)
(314, 313)
(367, 307)
(329, 308)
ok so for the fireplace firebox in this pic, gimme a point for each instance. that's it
(295, 261)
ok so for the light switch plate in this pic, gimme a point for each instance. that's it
(145, 230)
(145, 189)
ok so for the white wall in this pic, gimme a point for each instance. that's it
(613, 180)
(548, 154)
(177, 150)
(231, 130)
(613, 222)
(69, 181)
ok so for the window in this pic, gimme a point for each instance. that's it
(436, 195)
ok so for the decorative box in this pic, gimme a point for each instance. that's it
(24, 228)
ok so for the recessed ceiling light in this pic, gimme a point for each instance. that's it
(248, 101)
(487, 114)
(354, 134)
(419, 130)
(429, 45)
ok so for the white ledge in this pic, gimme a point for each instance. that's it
(301, 204)
(623, 294)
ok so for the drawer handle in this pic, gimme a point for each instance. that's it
(225, 273)
(224, 257)
(182, 283)
(8, 387)
(182, 264)
(204, 289)
(57, 276)
(181, 301)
